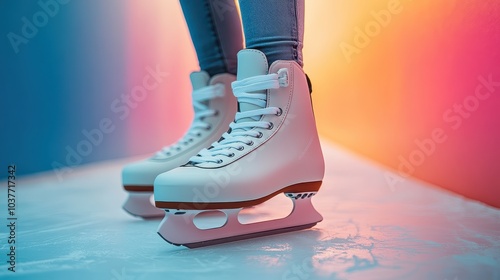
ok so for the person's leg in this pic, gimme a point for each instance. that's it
(275, 27)
(215, 29)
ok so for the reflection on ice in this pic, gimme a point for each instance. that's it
(76, 229)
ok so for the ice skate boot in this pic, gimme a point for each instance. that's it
(272, 147)
(214, 109)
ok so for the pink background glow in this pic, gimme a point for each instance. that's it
(377, 102)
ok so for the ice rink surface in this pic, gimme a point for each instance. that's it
(373, 228)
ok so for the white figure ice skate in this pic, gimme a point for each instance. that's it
(214, 108)
(272, 147)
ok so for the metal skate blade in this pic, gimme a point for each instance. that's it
(138, 204)
(243, 236)
(178, 227)
(144, 217)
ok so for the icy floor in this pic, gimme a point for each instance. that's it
(75, 229)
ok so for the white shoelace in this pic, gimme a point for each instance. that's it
(241, 133)
(201, 111)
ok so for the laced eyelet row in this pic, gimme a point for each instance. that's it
(280, 112)
(255, 128)
(203, 111)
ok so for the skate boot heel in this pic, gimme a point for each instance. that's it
(303, 187)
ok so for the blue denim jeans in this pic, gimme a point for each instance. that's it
(275, 27)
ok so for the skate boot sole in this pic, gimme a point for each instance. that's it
(296, 188)
(178, 228)
(132, 188)
(138, 203)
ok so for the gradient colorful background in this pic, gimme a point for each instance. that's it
(382, 94)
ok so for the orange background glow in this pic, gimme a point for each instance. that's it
(404, 83)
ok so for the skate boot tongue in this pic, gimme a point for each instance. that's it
(250, 63)
(199, 80)
(202, 94)
(250, 89)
